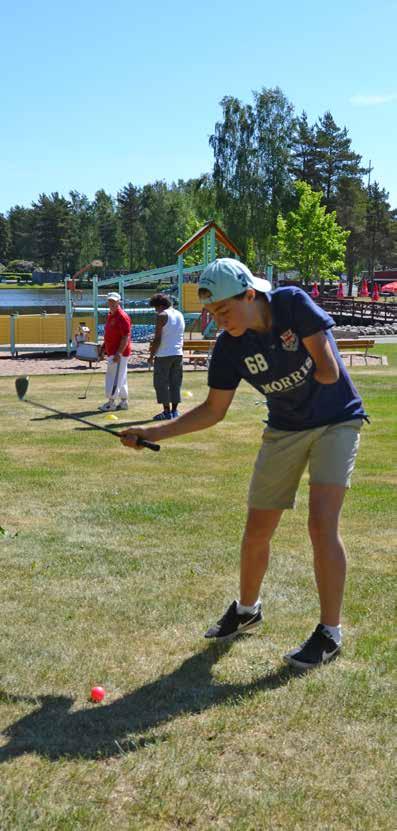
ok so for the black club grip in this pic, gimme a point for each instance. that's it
(149, 444)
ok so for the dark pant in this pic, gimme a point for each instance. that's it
(167, 379)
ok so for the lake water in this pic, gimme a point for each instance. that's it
(53, 300)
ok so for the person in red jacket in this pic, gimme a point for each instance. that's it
(117, 346)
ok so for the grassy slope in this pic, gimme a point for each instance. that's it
(120, 563)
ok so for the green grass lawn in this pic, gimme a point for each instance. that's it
(23, 285)
(113, 565)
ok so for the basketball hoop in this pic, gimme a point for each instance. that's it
(97, 263)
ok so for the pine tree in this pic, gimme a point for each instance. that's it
(351, 208)
(53, 243)
(83, 233)
(334, 158)
(379, 231)
(21, 223)
(110, 244)
(303, 153)
(130, 212)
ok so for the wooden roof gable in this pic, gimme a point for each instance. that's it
(220, 236)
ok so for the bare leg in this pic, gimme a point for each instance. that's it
(255, 550)
(329, 553)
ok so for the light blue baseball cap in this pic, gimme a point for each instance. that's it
(226, 278)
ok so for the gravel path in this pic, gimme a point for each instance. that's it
(59, 363)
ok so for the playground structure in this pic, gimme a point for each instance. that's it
(178, 275)
(30, 333)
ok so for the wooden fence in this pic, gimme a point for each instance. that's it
(359, 312)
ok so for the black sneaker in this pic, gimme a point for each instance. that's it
(318, 649)
(232, 624)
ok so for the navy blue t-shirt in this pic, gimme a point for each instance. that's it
(279, 366)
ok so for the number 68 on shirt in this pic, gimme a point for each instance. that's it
(256, 363)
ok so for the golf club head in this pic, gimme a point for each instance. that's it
(21, 386)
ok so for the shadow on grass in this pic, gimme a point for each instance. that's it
(115, 427)
(61, 415)
(53, 731)
(85, 413)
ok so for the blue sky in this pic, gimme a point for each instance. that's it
(98, 94)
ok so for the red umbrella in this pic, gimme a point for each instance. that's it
(392, 287)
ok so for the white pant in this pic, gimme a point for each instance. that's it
(116, 383)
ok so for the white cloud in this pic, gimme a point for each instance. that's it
(372, 100)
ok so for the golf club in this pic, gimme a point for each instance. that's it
(21, 386)
(82, 397)
(115, 382)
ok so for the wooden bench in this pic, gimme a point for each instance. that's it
(198, 352)
(347, 346)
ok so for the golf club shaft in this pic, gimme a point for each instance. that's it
(81, 397)
(143, 442)
(116, 378)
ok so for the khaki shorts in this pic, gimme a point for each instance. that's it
(329, 451)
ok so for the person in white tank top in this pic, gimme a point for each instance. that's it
(166, 354)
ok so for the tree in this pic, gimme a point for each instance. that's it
(201, 194)
(303, 153)
(252, 148)
(163, 221)
(21, 227)
(351, 209)
(309, 239)
(274, 129)
(191, 225)
(232, 143)
(4, 238)
(334, 158)
(53, 244)
(379, 243)
(130, 210)
(110, 244)
(83, 232)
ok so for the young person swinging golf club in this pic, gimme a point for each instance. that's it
(280, 342)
